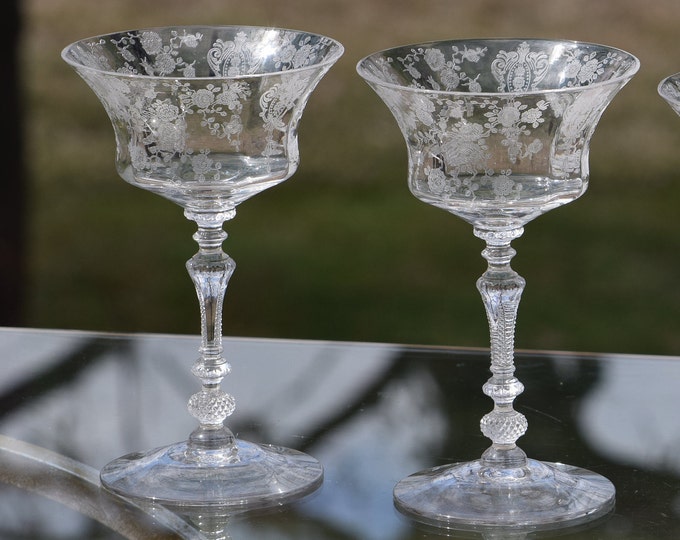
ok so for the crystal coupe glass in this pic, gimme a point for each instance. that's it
(207, 117)
(497, 132)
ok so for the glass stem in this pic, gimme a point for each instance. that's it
(501, 288)
(210, 269)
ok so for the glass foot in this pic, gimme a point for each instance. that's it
(540, 495)
(246, 475)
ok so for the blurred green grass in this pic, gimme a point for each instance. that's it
(342, 250)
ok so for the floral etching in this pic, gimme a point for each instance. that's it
(159, 112)
(457, 111)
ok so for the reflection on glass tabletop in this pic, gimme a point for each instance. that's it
(371, 413)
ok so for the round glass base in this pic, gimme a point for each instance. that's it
(245, 476)
(540, 495)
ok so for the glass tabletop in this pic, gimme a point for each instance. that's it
(372, 413)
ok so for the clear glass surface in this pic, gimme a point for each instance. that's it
(372, 414)
(207, 117)
(498, 133)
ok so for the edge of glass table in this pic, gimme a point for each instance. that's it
(371, 412)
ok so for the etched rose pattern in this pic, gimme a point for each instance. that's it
(182, 100)
(460, 102)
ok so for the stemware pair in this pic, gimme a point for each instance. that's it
(497, 132)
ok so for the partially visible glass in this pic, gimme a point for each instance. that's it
(207, 117)
(669, 90)
(498, 133)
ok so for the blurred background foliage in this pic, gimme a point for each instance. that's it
(342, 250)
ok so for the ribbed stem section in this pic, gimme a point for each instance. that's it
(210, 269)
(501, 289)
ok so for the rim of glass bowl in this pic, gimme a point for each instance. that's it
(667, 81)
(329, 60)
(369, 77)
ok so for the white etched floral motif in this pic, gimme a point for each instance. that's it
(159, 59)
(160, 112)
(520, 70)
(275, 105)
(506, 98)
(449, 71)
(233, 58)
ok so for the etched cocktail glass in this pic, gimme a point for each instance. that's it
(207, 117)
(498, 132)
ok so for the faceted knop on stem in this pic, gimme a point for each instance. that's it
(504, 427)
(211, 406)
